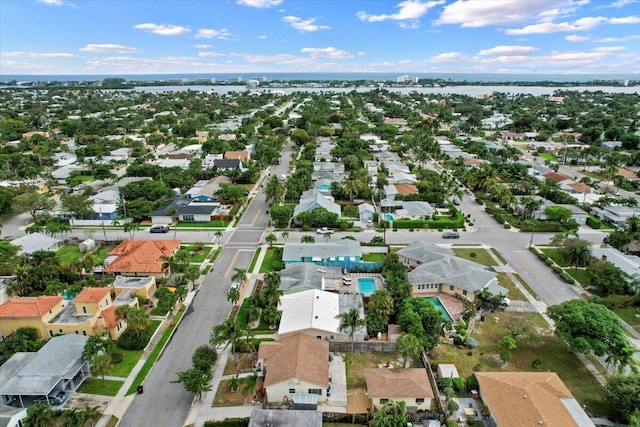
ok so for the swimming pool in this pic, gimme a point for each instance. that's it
(366, 285)
(323, 188)
(389, 217)
(435, 301)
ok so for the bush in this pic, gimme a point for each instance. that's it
(473, 255)
(549, 262)
(541, 255)
(344, 226)
(556, 269)
(117, 357)
(479, 201)
(458, 384)
(507, 225)
(129, 341)
(594, 223)
(567, 278)
(228, 422)
(457, 340)
(471, 383)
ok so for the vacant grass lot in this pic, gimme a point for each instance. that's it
(68, 254)
(123, 369)
(481, 255)
(536, 343)
(96, 386)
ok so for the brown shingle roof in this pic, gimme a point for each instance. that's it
(296, 356)
(555, 176)
(398, 383)
(526, 399)
(91, 295)
(28, 306)
(141, 256)
(242, 155)
(405, 189)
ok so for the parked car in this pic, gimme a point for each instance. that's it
(324, 230)
(450, 235)
(235, 285)
(456, 202)
(58, 399)
(159, 229)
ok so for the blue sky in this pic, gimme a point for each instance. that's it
(246, 36)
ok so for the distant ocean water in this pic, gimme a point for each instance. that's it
(470, 77)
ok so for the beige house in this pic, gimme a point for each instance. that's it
(530, 399)
(298, 363)
(411, 386)
(142, 287)
(32, 312)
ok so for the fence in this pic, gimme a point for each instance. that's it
(432, 380)
(353, 266)
(362, 346)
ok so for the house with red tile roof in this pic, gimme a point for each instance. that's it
(141, 257)
(32, 312)
(555, 176)
(236, 155)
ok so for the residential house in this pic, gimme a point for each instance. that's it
(337, 253)
(413, 210)
(141, 257)
(411, 386)
(142, 286)
(530, 399)
(314, 199)
(435, 269)
(180, 156)
(11, 416)
(236, 155)
(315, 312)
(33, 242)
(366, 212)
(303, 276)
(91, 312)
(170, 163)
(205, 190)
(616, 215)
(227, 164)
(290, 418)
(402, 178)
(121, 154)
(577, 214)
(630, 264)
(297, 363)
(555, 176)
(537, 214)
(328, 170)
(188, 210)
(52, 373)
(28, 312)
(406, 189)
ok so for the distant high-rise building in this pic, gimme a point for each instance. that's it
(260, 79)
(253, 83)
(407, 79)
(235, 79)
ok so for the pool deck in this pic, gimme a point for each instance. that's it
(454, 306)
(353, 288)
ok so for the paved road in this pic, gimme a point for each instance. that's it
(167, 404)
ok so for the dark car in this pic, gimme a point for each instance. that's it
(450, 235)
(159, 229)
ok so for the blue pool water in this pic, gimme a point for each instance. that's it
(324, 187)
(435, 301)
(389, 217)
(366, 285)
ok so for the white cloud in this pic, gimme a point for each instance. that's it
(582, 24)
(447, 57)
(282, 58)
(202, 46)
(514, 50)
(617, 39)
(482, 13)
(625, 20)
(163, 30)
(408, 10)
(210, 33)
(108, 48)
(262, 37)
(304, 25)
(326, 52)
(574, 38)
(262, 4)
(40, 55)
(210, 54)
(609, 49)
(619, 3)
(52, 2)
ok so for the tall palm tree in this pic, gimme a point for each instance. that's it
(218, 235)
(233, 295)
(172, 212)
(227, 333)
(91, 414)
(350, 321)
(530, 205)
(285, 235)
(249, 384)
(274, 191)
(307, 238)
(239, 275)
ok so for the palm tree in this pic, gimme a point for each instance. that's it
(233, 295)
(91, 414)
(218, 235)
(137, 318)
(285, 235)
(100, 364)
(227, 333)
(350, 321)
(307, 238)
(172, 212)
(409, 347)
(274, 191)
(239, 275)
(249, 384)
(530, 205)
(39, 415)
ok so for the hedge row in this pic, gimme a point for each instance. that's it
(228, 422)
(425, 223)
(566, 277)
(594, 223)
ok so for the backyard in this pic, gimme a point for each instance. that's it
(68, 254)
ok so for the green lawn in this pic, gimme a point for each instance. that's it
(514, 292)
(499, 255)
(158, 311)
(123, 369)
(526, 286)
(481, 255)
(197, 257)
(210, 224)
(267, 261)
(96, 386)
(215, 255)
(555, 256)
(579, 274)
(256, 254)
(374, 257)
(628, 314)
(68, 254)
(548, 156)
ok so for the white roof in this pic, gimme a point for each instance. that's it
(312, 309)
(35, 242)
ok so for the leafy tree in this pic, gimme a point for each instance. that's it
(147, 189)
(270, 315)
(195, 381)
(77, 205)
(606, 279)
(24, 339)
(281, 215)
(271, 239)
(623, 395)
(588, 327)
(204, 357)
(6, 198)
(351, 321)
(409, 348)
(137, 318)
(131, 228)
(137, 209)
(100, 363)
(558, 213)
(420, 318)
(9, 258)
(33, 203)
(576, 251)
(392, 414)
(38, 415)
(378, 310)
(97, 344)
(192, 274)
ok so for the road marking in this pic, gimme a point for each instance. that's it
(233, 261)
(255, 218)
(529, 266)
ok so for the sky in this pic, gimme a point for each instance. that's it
(252, 36)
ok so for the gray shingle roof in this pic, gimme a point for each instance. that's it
(301, 276)
(343, 248)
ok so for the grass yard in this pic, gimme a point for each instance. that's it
(548, 156)
(267, 262)
(256, 254)
(629, 315)
(514, 292)
(210, 224)
(239, 363)
(68, 254)
(555, 256)
(579, 274)
(536, 343)
(224, 397)
(356, 363)
(215, 255)
(197, 257)
(526, 286)
(481, 255)
(375, 257)
(123, 369)
(96, 386)
(499, 255)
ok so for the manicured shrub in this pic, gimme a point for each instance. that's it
(549, 262)
(567, 278)
(594, 223)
